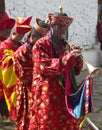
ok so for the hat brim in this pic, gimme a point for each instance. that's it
(7, 24)
(40, 29)
(60, 20)
(22, 29)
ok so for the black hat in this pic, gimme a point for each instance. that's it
(41, 26)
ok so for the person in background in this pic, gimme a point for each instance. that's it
(6, 25)
(52, 60)
(21, 65)
(7, 47)
(99, 28)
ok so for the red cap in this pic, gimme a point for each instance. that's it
(60, 18)
(22, 25)
(6, 22)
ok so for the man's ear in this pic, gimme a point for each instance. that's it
(14, 33)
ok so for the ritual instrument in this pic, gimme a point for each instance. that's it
(79, 101)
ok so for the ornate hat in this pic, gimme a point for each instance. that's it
(22, 25)
(41, 26)
(60, 18)
(6, 22)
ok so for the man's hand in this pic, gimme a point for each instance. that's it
(76, 51)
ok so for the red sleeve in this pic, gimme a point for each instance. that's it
(45, 62)
(78, 67)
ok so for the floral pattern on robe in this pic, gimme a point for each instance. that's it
(49, 109)
(6, 49)
(23, 68)
(20, 63)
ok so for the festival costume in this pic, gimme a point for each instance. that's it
(6, 23)
(49, 110)
(21, 69)
(21, 66)
(50, 65)
(6, 49)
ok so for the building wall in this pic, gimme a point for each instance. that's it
(84, 12)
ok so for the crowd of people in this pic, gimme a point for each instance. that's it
(33, 72)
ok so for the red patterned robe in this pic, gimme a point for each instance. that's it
(20, 63)
(6, 45)
(49, 110)
(23, 66)
(6, 48)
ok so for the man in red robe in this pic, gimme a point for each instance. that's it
(6, 24)
(52, 60)
(10, 45)
(20, 65)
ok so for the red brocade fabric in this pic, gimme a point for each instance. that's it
(49, 109)
(20, 64)
(5, 45)
(23, 69)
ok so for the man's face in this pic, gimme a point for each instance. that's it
(34, 38)
(60, 31)
(17, 37)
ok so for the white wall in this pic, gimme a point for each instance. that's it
(83, 29)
